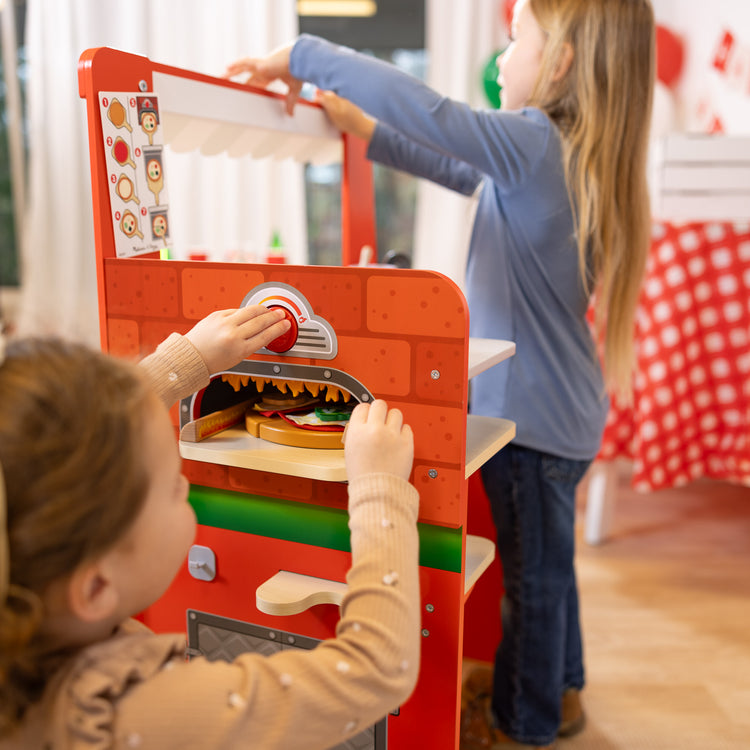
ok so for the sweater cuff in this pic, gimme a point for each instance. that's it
(176, 369)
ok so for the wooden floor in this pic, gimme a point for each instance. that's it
(666, 619)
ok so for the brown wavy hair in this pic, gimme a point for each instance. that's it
(603, 109)
(72, 421)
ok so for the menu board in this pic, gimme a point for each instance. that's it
(133, 146)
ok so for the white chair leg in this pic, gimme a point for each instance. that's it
(600, 501)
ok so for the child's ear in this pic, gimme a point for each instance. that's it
(564, 63)
(92, 595)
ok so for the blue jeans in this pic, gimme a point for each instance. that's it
(532, 496)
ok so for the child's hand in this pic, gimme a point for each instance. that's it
(263, 71)
(226, 337)
(377, 441)
(347, 117)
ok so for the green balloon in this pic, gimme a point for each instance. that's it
(492, 88)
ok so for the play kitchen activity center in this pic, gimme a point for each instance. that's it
(262, 442)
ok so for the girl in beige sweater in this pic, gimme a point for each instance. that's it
(94, 524)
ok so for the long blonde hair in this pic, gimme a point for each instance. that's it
(75, 481)
(602, 106)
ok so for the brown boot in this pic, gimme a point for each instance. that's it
(475, 698)
(477, 730)
(573, 716)
(478, 681)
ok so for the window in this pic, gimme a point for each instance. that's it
(396, 34)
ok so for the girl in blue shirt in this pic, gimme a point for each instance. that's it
(563, 217)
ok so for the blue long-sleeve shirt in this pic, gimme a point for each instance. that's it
(522, 281)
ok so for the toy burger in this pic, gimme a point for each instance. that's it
(288, 412)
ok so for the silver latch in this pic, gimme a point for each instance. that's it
(202, 563)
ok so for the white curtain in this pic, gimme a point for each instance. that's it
(220, 207)
(460, 38)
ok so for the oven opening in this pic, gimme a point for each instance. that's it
(310, 410)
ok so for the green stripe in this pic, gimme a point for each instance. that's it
(439, 547)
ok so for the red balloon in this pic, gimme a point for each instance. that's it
(670, 54)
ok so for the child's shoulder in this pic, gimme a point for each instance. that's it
(531, 118)
(97, 677)
(527, 130)
(133, 654)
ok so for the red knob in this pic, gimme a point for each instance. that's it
(287, 340)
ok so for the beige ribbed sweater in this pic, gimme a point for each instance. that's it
(135, 690)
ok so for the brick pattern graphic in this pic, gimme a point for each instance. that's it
(400, 333)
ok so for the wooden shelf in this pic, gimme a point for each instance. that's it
(236, 447)
(486, 353)
(485, 436)
(480, 552)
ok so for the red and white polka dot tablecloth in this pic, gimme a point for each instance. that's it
(691, 412)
